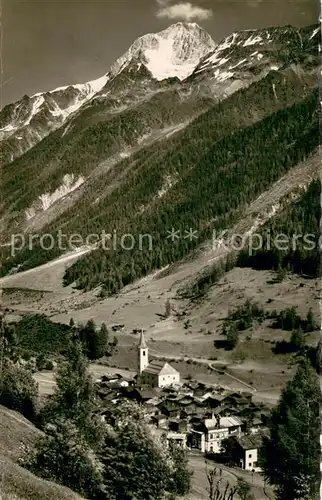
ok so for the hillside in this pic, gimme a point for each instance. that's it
(137, 154)
(17, 483)
(137, 181)
(189, 333)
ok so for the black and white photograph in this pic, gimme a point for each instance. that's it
(160, 250)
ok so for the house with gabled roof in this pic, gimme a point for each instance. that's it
(208, 434)
(155, 373)
(245, 451)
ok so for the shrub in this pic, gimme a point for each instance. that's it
(19, 391)
(64, 456)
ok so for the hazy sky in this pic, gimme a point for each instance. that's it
(49, 43)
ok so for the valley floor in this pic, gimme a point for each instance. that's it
(188, 341)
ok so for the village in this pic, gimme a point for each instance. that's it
(198, 417)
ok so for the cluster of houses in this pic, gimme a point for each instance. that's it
(189, 413)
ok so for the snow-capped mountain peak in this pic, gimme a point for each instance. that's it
(173, 52)
(57, 105)
(87, 89)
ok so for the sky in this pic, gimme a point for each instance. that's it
(51, 43)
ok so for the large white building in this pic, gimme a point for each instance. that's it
(156, 373)
(208, 435)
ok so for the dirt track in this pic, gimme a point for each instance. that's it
(200, 484)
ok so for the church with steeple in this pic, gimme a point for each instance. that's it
(156, 373)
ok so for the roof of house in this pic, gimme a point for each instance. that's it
(169, 406)
(250, 442)
(230, 422)
(157, 367)
(192, 410)
(107, 377)
(210, 423)
(153, 401)
(238, 396)
(147, 393)
(219, 410)
(159, 417)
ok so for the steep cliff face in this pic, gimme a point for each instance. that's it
(174, 52)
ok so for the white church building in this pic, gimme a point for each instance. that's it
(156, 373)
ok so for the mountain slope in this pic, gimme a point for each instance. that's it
(29, 120)
(172, 53)
(143, 155)
(251, 52)
(185, 52)
(197, 194)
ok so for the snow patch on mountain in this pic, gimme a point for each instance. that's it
(221, 76)
(238, 64)
(36, 105)
(167, 184)
(315, 32)
(46, 200)
(253, 40)
(8, 128)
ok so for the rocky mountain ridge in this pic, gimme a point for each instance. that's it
(184, 53)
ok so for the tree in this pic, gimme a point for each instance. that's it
(280, 274)
(18, 390)
(74, 397)
(218, 487)
(167, 308)
(115, 343)
(8, 340)
(318, 358)
(244, 490)
(64, 456)
(291, 455)
(298, 338)
(134, 466)
(96, 341)
(181, 476)
(232, 335)
(310, 322)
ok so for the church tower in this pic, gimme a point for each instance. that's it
(143, 356)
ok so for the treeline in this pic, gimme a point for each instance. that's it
(37, 336)
(301, 254)
(209, 191)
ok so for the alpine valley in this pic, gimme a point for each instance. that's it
(179, 133)
(139, 199)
